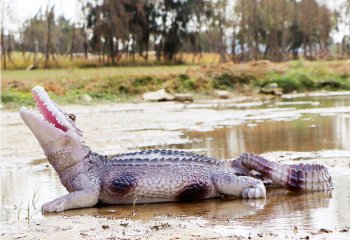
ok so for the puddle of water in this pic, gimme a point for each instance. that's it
(24, 186)
(308, 133)
(280, 211)
(297, 103)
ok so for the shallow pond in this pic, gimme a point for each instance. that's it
(314, 125)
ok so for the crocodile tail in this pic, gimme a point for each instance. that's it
(295, 177)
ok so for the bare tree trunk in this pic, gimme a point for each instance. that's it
(73, 43)
(233, 48)
(99, 52)
(159, 48)
(147, 46)
(222, 32)
(36, 49)
(104, 52)
(9, 50)
(242, 35)
(85, 43)
(133, 45)
(111, 49)
(3, 48)
(256, 40)
(48, 41)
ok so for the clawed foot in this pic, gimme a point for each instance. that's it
(53, 206)
(258, 191)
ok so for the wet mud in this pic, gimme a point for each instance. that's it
(308, 129)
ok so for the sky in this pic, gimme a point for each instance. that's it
(20, 10)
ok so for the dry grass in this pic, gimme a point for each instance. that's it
(25, 60)
(56, 78)
(109, 83)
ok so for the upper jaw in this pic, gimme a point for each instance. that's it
(49, 109)
(48, 125)
(43, 130)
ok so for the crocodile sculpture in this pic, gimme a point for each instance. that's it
(152, 175)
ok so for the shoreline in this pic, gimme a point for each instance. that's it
(88, 227)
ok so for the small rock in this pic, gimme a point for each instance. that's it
(273, 91)
(105, 226)
(273, 85)
(160, 226)
(84, 234)
(157, 96)
(19, 236)
(86, 99)
(222, 94)
(295, 229)
(183, 97)
(323, 230)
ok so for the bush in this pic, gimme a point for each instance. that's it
(335, 84)
(224, 81)
(17, 98)
(293, 81)
(186, 82)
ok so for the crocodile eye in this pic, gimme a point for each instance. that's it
(72, 117)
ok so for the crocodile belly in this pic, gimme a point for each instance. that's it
(142, 184)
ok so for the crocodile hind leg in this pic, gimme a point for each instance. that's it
(295, 177)
(240, 186)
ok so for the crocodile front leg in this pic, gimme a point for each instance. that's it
(78, 199)
(240, 186)
(86, 194)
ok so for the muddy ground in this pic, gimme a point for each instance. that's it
(107, 130)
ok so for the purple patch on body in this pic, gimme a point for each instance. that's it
(123, 184)
(195, 190)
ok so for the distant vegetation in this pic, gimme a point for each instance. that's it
(123, 83)
(183, 46)
(148, 32)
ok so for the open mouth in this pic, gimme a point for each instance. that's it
(49, 114)
(47, 108)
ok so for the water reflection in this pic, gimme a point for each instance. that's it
(309, 133)
(280, 210)
(307, 211)
(279, 204)
(24, 189)
(221, 210)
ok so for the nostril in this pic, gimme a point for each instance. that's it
(72, 117)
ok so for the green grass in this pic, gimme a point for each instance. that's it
(103, 84)
(43, 75)
(307, 80)
(128, 83)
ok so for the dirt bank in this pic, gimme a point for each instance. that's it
(86, 227)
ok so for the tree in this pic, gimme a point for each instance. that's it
(49, 48)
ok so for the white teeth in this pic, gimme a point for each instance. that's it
(39, 94)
